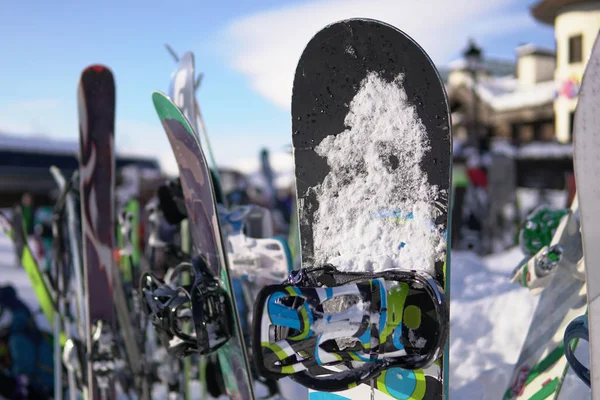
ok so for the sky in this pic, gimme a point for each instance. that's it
(247, 50)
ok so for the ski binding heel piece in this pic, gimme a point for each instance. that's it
(105, 354)
(361, 324)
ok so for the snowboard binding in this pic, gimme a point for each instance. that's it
(330, 330)
(171, 201)
(171, 308)
(577, 329)
(539, 228)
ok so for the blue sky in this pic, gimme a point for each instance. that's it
(246, 49)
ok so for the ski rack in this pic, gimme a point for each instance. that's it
(307, 350)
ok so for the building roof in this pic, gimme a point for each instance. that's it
(504, 94)
(546, 11)
(496, 67)
(533, 49)
(39, 144)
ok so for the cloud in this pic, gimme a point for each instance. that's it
(266, 46)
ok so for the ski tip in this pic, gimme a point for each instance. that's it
(96, 68)
(160, 99)
(166, 109)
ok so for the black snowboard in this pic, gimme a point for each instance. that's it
(340, 61)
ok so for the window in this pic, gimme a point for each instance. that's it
(571, 125)
(575, 49)
(526, 133)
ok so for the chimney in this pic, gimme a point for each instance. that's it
(535, 64)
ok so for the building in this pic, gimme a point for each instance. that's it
(576, 26)
(25, 166)
(507, 100)
(532, 99)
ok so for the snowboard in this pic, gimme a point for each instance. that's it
(542, 365)
(206, 233)
(372, 149)
(586, 139)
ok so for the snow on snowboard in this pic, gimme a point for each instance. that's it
(367, 313)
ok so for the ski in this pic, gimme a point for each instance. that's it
(205, 230)
(67, 260)
(183, 93)
(96, 100)
(43, 288)
(372, 150)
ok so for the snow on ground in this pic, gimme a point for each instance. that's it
(489, 318)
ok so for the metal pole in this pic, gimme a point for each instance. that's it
(476, 133)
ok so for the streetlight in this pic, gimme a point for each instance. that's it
(473, 57)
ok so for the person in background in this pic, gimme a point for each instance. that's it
(27, 209)
(30, 374)
(42, 232)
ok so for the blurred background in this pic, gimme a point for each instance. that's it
(511, 68)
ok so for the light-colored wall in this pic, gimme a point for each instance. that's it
(581, 19)
(532, 69)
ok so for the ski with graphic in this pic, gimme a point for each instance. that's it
(367, 314)
(587, 169)
(554, 267)
(206, 233)
(96, 101)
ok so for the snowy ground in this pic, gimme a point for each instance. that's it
(489, 320)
